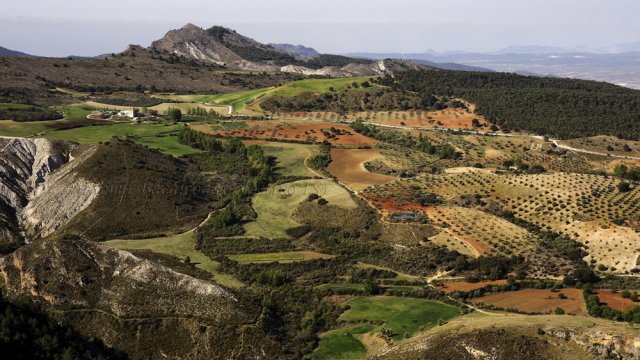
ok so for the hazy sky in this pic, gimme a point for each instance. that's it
(91, 27)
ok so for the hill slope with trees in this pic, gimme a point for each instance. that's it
(563, 108)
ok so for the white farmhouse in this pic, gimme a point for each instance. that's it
(129, 113)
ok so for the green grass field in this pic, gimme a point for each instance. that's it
(276, 205)
(240, 99)
(179, 246)
(281, 257)
(77, 111)
(22, 129)
(162, 137)
(29, 128)
(342, 344)
(291, 157)
(400, 315)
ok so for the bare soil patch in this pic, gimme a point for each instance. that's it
(294, 131)
(348, 166)
(537, 300)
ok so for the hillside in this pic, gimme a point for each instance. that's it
(12, 53)
(561, 108)
(31, 80)
(131, 303)
(297, 49)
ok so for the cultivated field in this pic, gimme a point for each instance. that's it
(483, 233)
(403, 316)
(587, 208)
(290, 158)
(293, 131)
(616, 301)
(606, 144)
(276, 205)
(451, 286)
(347, 165)
(457, 118)
(242, 101)
(163, 137)
(537, 300)
(280, 257)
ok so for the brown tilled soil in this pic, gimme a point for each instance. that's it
(616, 301)
(451, 286)
(537, 300)
(348, 166)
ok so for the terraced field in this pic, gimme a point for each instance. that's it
(588, 208)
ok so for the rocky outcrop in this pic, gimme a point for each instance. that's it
(133, 304)
(226, 47)
(24, 164)
(331, 71)
(601, 344)
(58, 199)
(39, 192)
(196, 43)
(84, 274)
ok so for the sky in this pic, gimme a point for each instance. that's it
(92, 27)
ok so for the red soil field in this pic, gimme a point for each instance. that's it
(451, 286)
(537, 300)
(347, 165)
(448, 118)
(294, 131)
(616, 301)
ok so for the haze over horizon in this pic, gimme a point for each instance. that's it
(60, 28)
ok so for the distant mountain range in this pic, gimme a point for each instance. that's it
(12, 53)
(617, 68)
(222, 46)
(226, 47)
(297, 49)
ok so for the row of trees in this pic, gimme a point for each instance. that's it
(597, 309)
(444, 151)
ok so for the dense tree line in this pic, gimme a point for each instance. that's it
(343, 102)
(30, 114)
(26, 333)
(563, 108)
(597, 309)
(322, 159)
